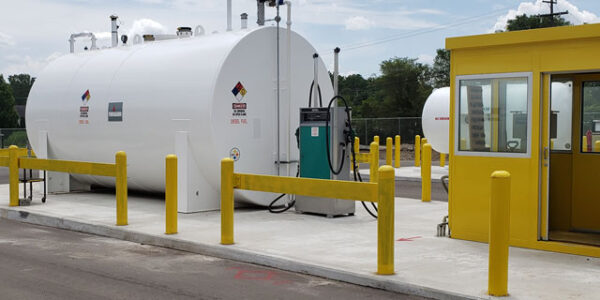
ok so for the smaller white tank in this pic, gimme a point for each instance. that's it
(436, 119)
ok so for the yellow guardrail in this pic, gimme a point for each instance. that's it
(372, 158)
(20, 152)
(117, 170)
(381, 192)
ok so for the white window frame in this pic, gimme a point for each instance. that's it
(457, 151)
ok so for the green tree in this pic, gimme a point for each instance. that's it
(21, 85)
(525, 22)
(8, 115)
(440, 72)
(402, 88)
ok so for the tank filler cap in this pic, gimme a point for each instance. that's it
(184, 32)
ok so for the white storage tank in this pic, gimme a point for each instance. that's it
(436, 119)
(215, 94)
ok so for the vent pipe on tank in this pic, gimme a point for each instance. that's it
(244, 17)
(199, 30)
(114, 30)
(229, 15)
(336, 70)
(315, 79)
(260, 13)
(81, 34)
(183, 32)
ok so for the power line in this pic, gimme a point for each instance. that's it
(418, 32)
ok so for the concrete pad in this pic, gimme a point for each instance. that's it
(413, 173)
(341, 248)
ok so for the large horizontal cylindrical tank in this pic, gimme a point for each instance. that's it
(436, 119)
(221, 89)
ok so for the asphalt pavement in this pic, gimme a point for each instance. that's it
(46, 263)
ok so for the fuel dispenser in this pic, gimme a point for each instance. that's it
(324, 139)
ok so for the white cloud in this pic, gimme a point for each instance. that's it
(146, 26)
(6, 40)
(26, 64)
(575, 15)
(358, 23)
(425, 59)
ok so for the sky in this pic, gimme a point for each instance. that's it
(34, 32)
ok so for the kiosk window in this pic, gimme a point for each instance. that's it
(590, 117)
(493, 115)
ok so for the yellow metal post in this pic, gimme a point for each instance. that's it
(426, 174)
(13, 175)
(499, 234)
(385, 221)
(374, 163)
(597, 146)
(356, 149)
(121, 187)
(442, 159)
(376, 139)
(397, 149)
(171, 194)
(388, 151)
(227, 201)
(423, 142)
(584, 144)
(417, 150)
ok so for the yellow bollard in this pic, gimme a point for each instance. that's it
(385, 221)
(227, 201)
(374, 163)
(388, 151)
(442, 159)
(121, 187)
(376, 139)
(584, 144)
(426, 174)
(356, 150)
(397, 149)
(499, 234)
(597, 146)
(423, 142)
(13, 175)
(171, 194)
(417, 150)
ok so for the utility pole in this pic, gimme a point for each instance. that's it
(552, 13)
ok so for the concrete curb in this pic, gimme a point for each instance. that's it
(230, 252)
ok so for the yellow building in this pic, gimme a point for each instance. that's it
(528, 102)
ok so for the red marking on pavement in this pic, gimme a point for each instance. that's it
(410, 239)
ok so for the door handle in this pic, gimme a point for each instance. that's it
(545, 153)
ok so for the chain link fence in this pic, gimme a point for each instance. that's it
(406, 127)
(13, 136)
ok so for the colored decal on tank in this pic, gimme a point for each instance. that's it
(234, 154)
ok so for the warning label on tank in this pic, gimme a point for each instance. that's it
(115, 111)
(84, 109)
(238, 115)
(234, 154)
